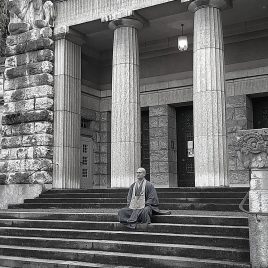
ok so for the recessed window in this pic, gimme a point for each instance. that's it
(84, 173)
(85, 123)
(84, 160)
(85, 148)
(260, 112)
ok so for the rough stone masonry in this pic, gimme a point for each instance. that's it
(27, 124)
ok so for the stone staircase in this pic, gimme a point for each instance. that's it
(79, 228)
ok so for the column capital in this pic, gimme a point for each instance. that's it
(220, 4)
(65, 32)
(134, 23)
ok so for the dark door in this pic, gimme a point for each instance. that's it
(185, 139)
(145, 143)
(260, 112)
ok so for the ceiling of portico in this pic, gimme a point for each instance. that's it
(164, 22)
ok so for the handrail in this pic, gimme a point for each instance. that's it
(241, 207)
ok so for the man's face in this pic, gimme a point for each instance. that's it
(140, 174)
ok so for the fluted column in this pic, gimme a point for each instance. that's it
(66, 155)
(209, 94)
(125, 130)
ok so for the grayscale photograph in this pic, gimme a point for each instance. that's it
(134, 133)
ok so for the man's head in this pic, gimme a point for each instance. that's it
(141, 172)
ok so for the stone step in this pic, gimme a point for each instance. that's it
(112, 217)
(134, 236)
(115, 258)
(211, 194)
(14, 261)
(123, 200)
(164, 206)
(237, 231)
(159, 190)
(182, 250)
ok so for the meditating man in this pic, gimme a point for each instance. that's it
(142, 202)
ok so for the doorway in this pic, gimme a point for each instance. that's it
(145, 143)
(185, 138)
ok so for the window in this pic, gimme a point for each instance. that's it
(84, 160)
(260, 112)
(85, 148)
(85, 123)
(84, 173)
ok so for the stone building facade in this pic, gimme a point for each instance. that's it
(105, 90)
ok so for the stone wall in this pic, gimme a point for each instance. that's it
(27, 136)
(163, 149)
(238, 117)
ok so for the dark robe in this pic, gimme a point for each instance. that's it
(130, 217)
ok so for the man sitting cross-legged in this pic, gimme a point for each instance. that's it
(142, 202)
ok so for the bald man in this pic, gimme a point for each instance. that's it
(142, 202)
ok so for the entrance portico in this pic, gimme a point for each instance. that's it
(147, 71)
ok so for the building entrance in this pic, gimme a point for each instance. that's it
(145, 143)
(185, 153)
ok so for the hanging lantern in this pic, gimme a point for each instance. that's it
(182, 41)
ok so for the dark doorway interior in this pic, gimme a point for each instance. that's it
(260, 112)
(145, 143)
(185, 136)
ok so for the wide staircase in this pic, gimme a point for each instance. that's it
(79, 228)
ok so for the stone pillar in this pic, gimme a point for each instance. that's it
(252, 149)
(163, 151)
(27, 131)
(209, 94)
(125, 130)
(67, 111)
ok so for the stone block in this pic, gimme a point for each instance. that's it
(3, 178)
(96, 158)
(25, 153)
(158, 132)
(38, 140)
(230, 113)
(232, 163)
(5, 154)
(39, 91)
(153, 121)
(6, 131)
(43, 127)
(163, 167)
(240, 113)
(160, 179)
(29, 81)
(238, 177)
(43, 152)
(159, 156)
(236, 101)
(33, 34)
(158, 110)
(154, 146)
(18, 178)
(103, 158)
(32, 45)
(41, 177)
(14, 95)
(19, 106)
(22, 129)
(38, 164)
(11, 142)
(15, 165)
(29, 58)
(33, 116)
(163, 144)
(29, 69)
(44, 103)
